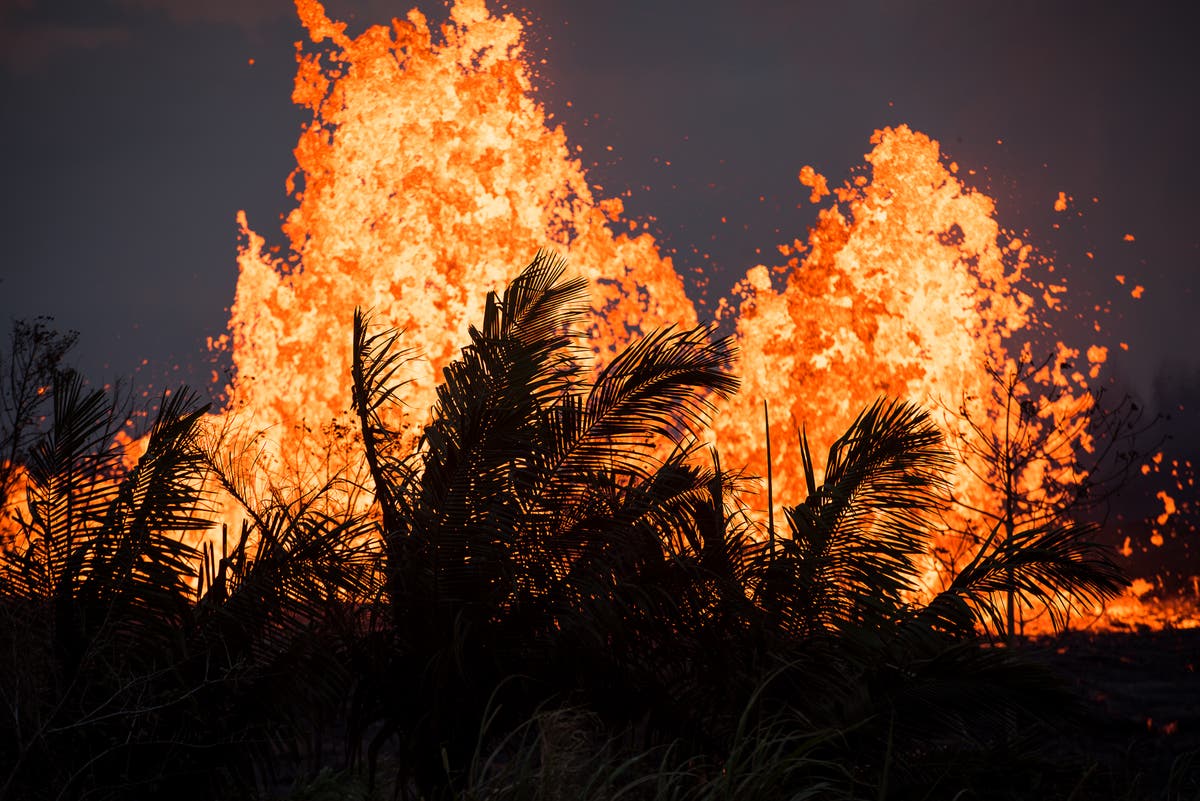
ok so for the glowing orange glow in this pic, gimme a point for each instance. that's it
(815, 181)
(1097, 355)
(429, 174)
(131, 449)
(884, 302)
(1168, 507)
(1140, 587)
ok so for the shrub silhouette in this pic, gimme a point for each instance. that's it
(559, 546)
(542, 531)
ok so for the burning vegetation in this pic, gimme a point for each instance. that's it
(510, 515)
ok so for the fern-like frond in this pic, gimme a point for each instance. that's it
(1059, 568)
(72, 476)
(139, 558)
(854, 541)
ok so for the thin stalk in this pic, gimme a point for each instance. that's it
(770, 487)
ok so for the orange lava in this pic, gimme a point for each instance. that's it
(903, 289)
(428, 176)
(430, 173)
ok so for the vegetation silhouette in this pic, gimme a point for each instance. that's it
(558, 592)
(1054, 468)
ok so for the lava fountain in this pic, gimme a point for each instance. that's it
(429, 174)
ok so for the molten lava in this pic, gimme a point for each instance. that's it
(903, 288)
(430, 174)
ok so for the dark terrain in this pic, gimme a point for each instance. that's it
(1140, 698)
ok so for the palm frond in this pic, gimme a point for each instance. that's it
(661, 386)
(71, 483)
(1059, 568)
(376, 361)
(855, 538)
(138, 558)
(537, 306)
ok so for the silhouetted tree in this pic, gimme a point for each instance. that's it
(537, 500)
(36, 354)
(1053, 461)
(94, 589)
(558, 538)
(863, 650)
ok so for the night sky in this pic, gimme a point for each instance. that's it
(134, 130)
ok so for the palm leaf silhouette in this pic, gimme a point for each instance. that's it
(104, 568)
(1057, 567)
(540, 495)
(851, 556)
